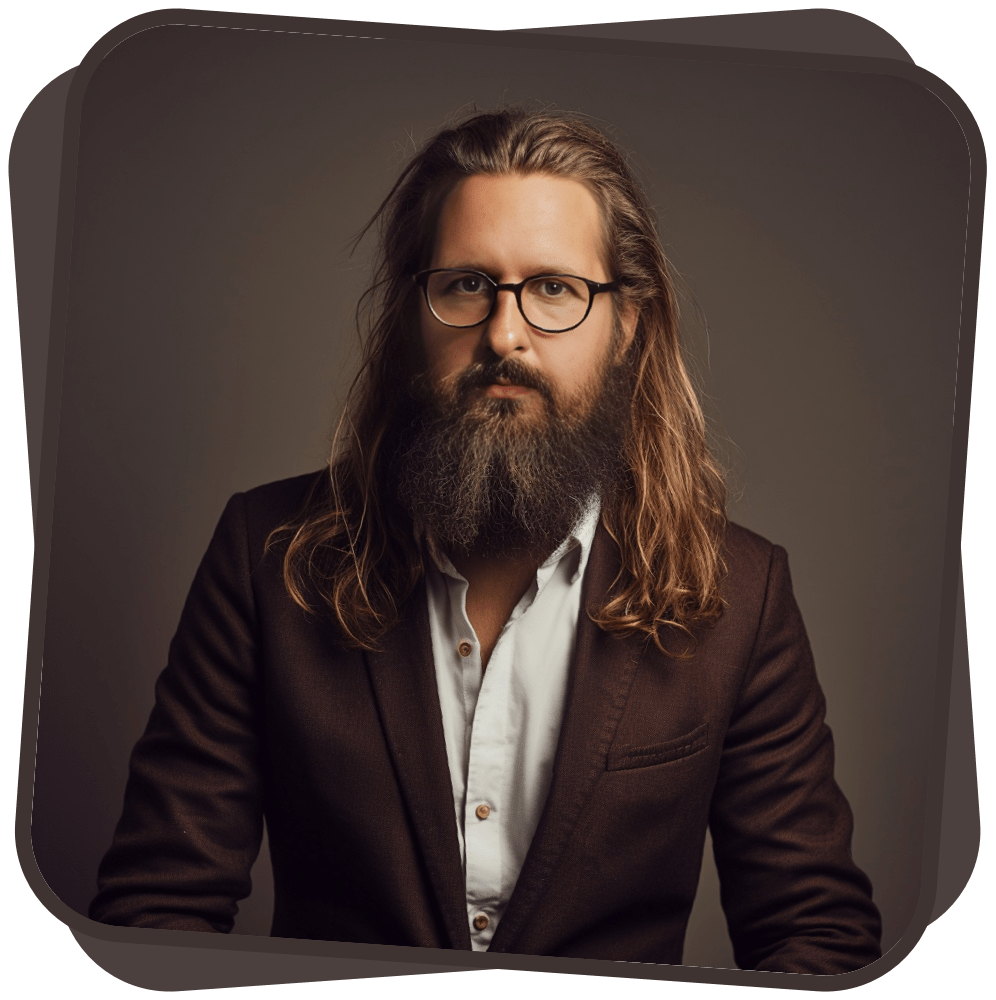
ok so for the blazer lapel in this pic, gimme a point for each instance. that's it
(602, 673)
(404, 683)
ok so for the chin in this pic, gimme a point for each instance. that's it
(522, 407)
(504, 407)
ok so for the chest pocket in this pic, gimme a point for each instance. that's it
(623, 758)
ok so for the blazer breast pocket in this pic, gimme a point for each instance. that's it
(623, 758)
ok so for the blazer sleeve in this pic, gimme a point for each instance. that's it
(793, 897)
(192, 821)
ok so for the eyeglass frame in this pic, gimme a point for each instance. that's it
(421, 278)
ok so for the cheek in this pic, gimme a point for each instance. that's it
(579, 364)
(436, 342)
(567, 373)
(446, 353)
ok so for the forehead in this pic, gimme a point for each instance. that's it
(521, 222)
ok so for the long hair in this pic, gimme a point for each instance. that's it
(354, 548)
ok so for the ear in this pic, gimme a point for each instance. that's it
(628, 316)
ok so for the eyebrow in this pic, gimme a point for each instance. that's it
(531, 272)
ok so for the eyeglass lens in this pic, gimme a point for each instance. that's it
(463, 298)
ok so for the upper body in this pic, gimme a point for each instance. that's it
(262, 710)
(524, 362)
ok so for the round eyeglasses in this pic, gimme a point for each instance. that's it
(552, 303)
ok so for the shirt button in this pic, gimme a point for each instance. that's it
(481, 921)
(465, 649)
(483, 811)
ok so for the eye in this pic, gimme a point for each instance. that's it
(556, 289)
(466, 284)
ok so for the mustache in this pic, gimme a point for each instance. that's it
(505, 371)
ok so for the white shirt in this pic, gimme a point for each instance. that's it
(502, 726)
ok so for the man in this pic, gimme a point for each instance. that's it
(492, 675)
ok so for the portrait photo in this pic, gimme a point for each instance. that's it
(504, 497)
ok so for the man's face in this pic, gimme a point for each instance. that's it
(519, 427)
(514, 227)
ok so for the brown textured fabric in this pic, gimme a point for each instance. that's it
(261, 710)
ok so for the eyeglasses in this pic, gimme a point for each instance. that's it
(552, 303)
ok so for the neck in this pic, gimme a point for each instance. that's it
(495, 584)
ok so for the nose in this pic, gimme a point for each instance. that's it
(507, 331)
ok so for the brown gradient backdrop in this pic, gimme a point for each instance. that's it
(817, 218)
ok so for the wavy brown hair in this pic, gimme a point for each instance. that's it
(354, 548)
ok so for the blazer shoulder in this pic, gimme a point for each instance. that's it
(743, 545)
(751, 560)
(249, 518)
(741, 539)
(273, 504)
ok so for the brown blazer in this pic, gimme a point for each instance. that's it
(262, 712)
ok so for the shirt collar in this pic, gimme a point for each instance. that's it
(582, 536)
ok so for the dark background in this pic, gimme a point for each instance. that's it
(817, 218)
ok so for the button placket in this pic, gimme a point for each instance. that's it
(485, 777)
(498, 750)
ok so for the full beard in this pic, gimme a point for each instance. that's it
(484, 474)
